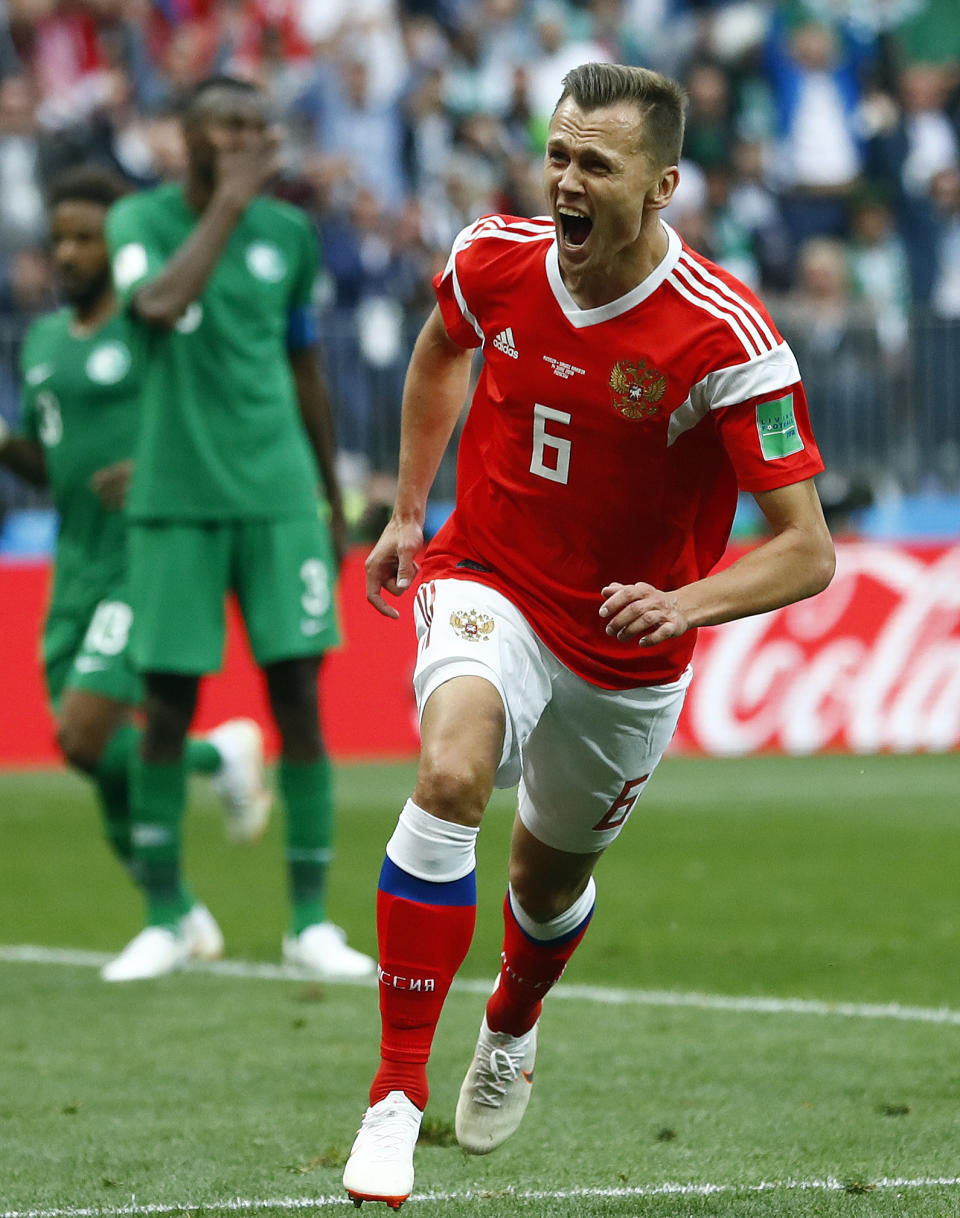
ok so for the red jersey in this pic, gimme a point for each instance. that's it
(608, 444)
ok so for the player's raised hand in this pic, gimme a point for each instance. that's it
(643, 613)
(247, 163)
(391, 564)
(111, 483)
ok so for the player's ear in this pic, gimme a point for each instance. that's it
(660, 194)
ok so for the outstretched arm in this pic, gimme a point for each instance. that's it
(798, 561)
(433, 395)
(23, 456)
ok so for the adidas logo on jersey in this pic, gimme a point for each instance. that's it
(504, 342)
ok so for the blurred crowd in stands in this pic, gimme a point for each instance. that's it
(822, 166)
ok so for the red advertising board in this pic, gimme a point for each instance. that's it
(872, 664)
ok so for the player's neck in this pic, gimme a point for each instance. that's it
(592, 287)
(89, 316)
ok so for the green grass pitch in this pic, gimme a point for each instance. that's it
(675, 1078)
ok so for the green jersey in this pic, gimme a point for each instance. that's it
(221, 434)
(80, 403)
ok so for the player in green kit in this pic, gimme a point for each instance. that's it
(82, 370)
(236, 438)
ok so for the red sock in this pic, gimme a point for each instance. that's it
(423, 931)
(528, 969)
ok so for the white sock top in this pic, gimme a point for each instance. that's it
(432, 849)
(563, 923)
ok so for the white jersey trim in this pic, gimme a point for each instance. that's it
(706, 291)
(766, 373)
(464, 307)
(538, 229)
(751, 315)
(580, 318)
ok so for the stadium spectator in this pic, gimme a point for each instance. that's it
(82, 368)
(880, 272)
(626, 379)
(27, 288)
(22, 220)
(911, 141)
(217, 282)
(711, 129)
(373, 280)
(856, 403)
(349, 121)
(817, 92)
(474, 82)
(758, 208)
(938, 341)
(428, 135)
(559, 49)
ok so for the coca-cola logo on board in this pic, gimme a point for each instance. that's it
(871, 664)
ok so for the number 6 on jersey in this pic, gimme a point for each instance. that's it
(543, 439)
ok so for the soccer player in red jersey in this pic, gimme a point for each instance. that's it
(629, 389)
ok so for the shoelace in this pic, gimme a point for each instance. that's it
(495, 1075)
(391, 1130)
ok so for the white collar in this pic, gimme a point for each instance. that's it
(590, 317)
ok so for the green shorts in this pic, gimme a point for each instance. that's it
(282, 572)
(90, 650)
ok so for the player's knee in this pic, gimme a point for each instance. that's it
(541, 896)
(170, 704)
(81, 747)
(453, 788)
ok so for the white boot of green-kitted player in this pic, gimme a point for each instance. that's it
(241, 781)
(158, 950)
(322, 951)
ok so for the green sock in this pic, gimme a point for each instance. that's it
(112, 781)
(114, 800)
(159, 791)
(200, 756)
(306, 790)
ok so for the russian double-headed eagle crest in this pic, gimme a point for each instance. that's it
(471, 625)
(637, 389)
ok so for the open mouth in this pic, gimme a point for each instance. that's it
(574, 227)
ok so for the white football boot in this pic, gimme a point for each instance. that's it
(380, 1167)
(322, 951)
(157, 950)
(203, 935)
(496, 1090)
(241, 781)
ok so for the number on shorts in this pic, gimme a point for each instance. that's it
(109, 629)
(316, 598)
(559, 470)
(50, 426)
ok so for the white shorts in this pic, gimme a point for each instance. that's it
(581, 754)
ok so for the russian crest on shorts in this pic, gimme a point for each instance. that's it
(472, 625)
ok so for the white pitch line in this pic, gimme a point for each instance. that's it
(239, 1205)
(602, 995)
